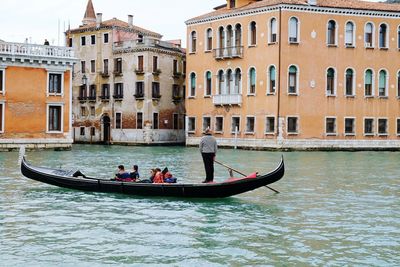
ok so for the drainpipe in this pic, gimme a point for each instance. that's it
(280, 72)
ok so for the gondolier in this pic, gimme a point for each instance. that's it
(208, 149)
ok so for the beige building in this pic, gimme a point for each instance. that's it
(301, 74)
(128, 86)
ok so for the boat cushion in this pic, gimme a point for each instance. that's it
(252, 175)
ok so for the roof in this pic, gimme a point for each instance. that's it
(115, 23)
(89, 13)
(345, 4)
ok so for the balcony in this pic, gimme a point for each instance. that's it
(232, 99)
(91, 98)
(118, 73)
(156, 72)
(104, 98)
(139, 96)
(82, 98)
(139, 71)
(105, 74)
(177, 98)
(39, 51)
(118, 97)
(176, 75)
(228, 52)
(156, 96)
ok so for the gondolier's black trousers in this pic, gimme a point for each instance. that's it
(208, 159)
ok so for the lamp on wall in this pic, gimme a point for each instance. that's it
(84, 79)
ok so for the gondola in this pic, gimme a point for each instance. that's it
(230, 187)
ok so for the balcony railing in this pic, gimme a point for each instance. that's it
(139, 96)
(228, 52)
(232, 99)
(29, 50)
(92, 98)
(118, 97)
(104, 98)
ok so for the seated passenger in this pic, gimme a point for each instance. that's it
(122, 175)
(159, 177)
(135, 174)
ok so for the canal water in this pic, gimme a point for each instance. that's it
(334, 209)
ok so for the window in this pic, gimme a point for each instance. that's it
(382, 126)
(83, 40)
(369, 35)
(271, 80)
(176, 94)
(175, 66)
(92, 131)
(382, 83)
(83, 112)
(105, 91)
(331, 38)
(221, 82)
(118, 120)
(105, 38)
(209, 40)
(368, 83)
(398, 37)
(140, 64)
(330, 126)
(2, 79)
(229, 81)
(139, 93)
(82, 131)
(175, 121)
(155, 90)
(155, 121)
(253, 34)
(93, 39)
(155, 64)
(349, 126)
(219, 124)
(235, 125)
(232, 3)
(1, 117)
(221, 42)
(238, 82)
(270, 125)
(192, 85)
(238, 36)
(292, 125)
(82, 92)
(383, 36)
(252, 81)
(368, 126)
(105, 66)
(92, 92)
(118, 66)
(70, 42)
(208, 83)
(349, 39)
(191, 124)
(330, 82)
(118, 90)
(398, 126)
(55, 83)
(273, 31)
(250, 124)
(83, 66)
(193, 42)
(292, 80)
(350, 82)
(206, 123)
(139, 120)
(140, 38)
(54, 118)
(398, 84)
(92, 111)
(293, 30)
(92, 66)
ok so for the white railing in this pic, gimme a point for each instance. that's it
(29, 50)
(231, 99)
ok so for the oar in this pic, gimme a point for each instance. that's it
(241, 173)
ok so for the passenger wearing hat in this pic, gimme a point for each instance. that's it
(208, 149)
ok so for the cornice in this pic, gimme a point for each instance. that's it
(149, 49)
(111, 27)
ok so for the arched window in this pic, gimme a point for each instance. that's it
(369, 35)
(238, 81)
(349, 82)
(331, 32)
(208, 83)
(221, 42)
(229, 40)
(252, 81)
(232, 3)
(229, 81)
(349, 40)
(193, 42)
(382, 83)
(271, 80)
(192, 84)
(383, 43)
(238, 35)
(368, 83)
(292, 80)
(273, 38)
(209, 40)
(293, 30)
(253, 33)
(330, 81)
(221, 81)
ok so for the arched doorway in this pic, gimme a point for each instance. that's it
(105, 120)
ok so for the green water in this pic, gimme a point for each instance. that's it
(334, 209)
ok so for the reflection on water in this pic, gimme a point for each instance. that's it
(335, 209)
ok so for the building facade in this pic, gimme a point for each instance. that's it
(35, 96)
(314, 74)
(128, 86)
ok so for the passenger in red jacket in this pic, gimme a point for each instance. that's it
(159, 177)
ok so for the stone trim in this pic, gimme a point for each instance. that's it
(118, 28)
(148, 49)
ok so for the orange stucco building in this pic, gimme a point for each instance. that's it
(316, 74)
(35, 96)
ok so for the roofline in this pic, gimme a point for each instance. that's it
(126, 29)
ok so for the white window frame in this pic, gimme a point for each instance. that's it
(269, 80)
(203, 121)
(266, 120)
(215, 124)
(270, 30)
(297, 80)
(397, 86)
(335, 132)
(115, 120)
(345, 82)
(205, 83)
(373, 83)
(354, 126)
(387, 126)
(386, 83)
(249, 44)
(3, 88)
(373, 126)
(206, 40)
(3, 104)
(91, 70)
(194, 125)
(240, 126)
(48, 105)
(249, 81)
(80, 131)
(373, 35)
(353, 44)
(334, 82)
(297, 125)
(255, 127)
(94, 40)
(335, 44)
(297, 30)
(104, 39)
(397, 125)
(84, 36)
(387, 43)
(48, 83)
(398, 37)
(191, 51)
(190, 85)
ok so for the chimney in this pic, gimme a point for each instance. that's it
(99, 19)
(130, 20)
(312, 2)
